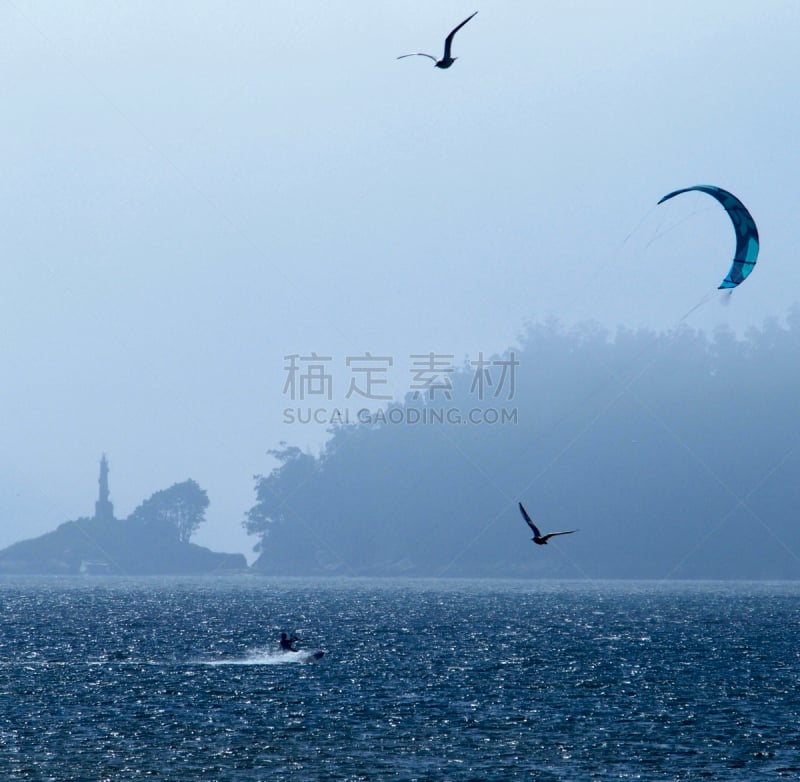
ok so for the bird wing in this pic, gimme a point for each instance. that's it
(448, 42)
(528, 519)
(553, 534)
(417, 54)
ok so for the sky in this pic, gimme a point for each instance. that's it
(194, 191)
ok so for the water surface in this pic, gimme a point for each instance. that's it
(421, 680)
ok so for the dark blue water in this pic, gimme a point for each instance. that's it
(182, 680)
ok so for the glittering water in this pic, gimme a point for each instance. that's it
(182, 680)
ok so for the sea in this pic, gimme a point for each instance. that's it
(180, 679)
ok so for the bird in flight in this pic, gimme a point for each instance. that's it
(446, 60)
(538, 538)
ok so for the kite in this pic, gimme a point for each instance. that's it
(744, 258)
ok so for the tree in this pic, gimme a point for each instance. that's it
(177, 511)
(667, 450)
(295, 468)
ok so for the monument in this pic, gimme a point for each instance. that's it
(103, 509)
(146, 543)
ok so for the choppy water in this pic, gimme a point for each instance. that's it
(182, 680)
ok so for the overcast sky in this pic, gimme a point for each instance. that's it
(192, 191)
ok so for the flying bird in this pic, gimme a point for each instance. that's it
(538, 538)
(446, 60)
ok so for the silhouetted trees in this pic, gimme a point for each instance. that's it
(177, 511)
(153, 540)
(674, 453)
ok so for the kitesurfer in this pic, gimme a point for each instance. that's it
(287, 644)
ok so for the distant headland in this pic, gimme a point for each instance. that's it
(153, 540)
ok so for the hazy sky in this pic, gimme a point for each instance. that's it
(192, 191)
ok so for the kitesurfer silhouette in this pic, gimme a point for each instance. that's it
(287, 644)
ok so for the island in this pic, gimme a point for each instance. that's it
(153, 540)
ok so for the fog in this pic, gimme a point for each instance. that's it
(673, 455)
(192, 193)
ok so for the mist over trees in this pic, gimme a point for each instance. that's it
(674, 454)
(177, 511)
(153, 540)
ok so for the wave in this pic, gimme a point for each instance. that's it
(266, 657)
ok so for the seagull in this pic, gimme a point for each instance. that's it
(538, 538)
(447, 60)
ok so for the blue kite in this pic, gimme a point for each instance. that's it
(744, 258)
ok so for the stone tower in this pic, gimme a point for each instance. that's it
(103, 509)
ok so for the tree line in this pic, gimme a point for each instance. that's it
(673, 452)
